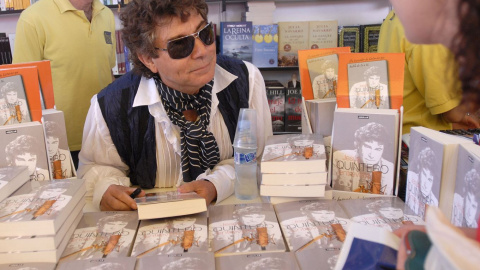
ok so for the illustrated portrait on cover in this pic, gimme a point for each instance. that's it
(368, 84)
(13, 102)
(250, 230)
(26, 150)
(294, 149)
(387, 213)
(465, 212)
(172, 235)
(186, 263)
(294, 82)
(313, 229)
(359, 159)
(42, 202)
(324, 76)
(423, 179)
(108, 237)
(57, 148)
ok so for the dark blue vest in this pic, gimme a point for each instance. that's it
(133, 129)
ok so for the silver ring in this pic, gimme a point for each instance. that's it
(467, 114)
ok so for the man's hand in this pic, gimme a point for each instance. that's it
(402, 250)
(117, 198)
(203, 188)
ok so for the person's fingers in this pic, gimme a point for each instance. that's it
(117, 198)
(187, 187)
(401, 255)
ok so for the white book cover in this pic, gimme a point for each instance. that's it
(466, 198)
(24, 145)
(120, 263)
(320, 114)
(57, 144)
(283, 260)
(388, 213)
(364, 146)
(179, 261)
(13, 104)
(323, 73)
(102, 235)
(11, 178)
(368, 84)
(244, 228)
(294, 153)
(172, 235)
(318, 258)
(28, 266)
(313, 224)
(40, 207)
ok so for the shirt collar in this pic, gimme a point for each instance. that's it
(65, 5)
(147, 93)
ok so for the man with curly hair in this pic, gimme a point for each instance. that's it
(9, 100)
(465, 201)
(53, 137)
(172, 120)
(323, 84)
(363, 94)
(25, 151)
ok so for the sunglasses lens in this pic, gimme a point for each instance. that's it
(181, 48)
(206, 35)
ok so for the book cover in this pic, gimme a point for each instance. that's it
(24, 145)
(369, 35)
(236, 40)
(118, 263)
(244, 228)
(320, 114)
(59, 156)
(388, 213)
(171, 235)
(349, 36)
(305, 78)
(168, 204)
(39, 207)
(28, 266)
(294, 153)
(293, 110)
(313, 224)
(364, 147)
(45, 80)
(197, 261)
(293, 190)
(20, 95)
(276, 101)
(292, 37)
(467, 187)
(323, 76)
(11, 178)
(432, 165)
(101, 235)
(265, 45)
(322, 34)
(311, 259)
(284, 261)
(370, 80)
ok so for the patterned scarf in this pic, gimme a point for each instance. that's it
(199, 147)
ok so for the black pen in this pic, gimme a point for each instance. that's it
(135, 193)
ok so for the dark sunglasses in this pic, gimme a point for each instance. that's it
(183, 46)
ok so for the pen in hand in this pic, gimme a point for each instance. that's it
(135, 193)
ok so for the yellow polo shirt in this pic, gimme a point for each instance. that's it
(82, 54)
(431, 85)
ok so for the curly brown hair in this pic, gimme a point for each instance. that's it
(140, 19)
(466, 47)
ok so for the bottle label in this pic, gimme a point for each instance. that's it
(241, 158)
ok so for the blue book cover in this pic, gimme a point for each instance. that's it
(265, 45)
(236, 40)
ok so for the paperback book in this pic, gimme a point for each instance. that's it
(11, 178)
(28, 266)
(293, 190)
(236, 40)
(169, 204)
(276, 102)
(126, 263)
(171, 235)
(312, 259)
(294, 179)
(322, 34)
(265, 45)
(180, 261)
(244, 228)
(294, 153)
(320, 115)
(40, 207)
(369, 35)
(312, 224)
(293, 110)
(283, 260)
(349, 36)
(292, 37)
(24, 145)
(101, 235)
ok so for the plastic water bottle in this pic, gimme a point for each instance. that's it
(245, 156)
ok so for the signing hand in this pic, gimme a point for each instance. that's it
(117, 198)
(203, 188)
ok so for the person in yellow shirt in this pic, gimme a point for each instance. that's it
(78, 37)
(432, 94)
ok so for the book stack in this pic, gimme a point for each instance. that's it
(260, 12)
(294, 165)
(37, 220)
(11, 178)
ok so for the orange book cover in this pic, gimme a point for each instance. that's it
(316, 58)
(45, 79)
(24, 82)
(370, 80)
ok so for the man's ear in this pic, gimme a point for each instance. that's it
(148, 62)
